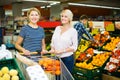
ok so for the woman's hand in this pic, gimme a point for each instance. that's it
(58, 51)
(44, 51)
(51, 51)
(26, 52)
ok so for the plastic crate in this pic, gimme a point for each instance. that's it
(12, 64)
(78, 77)
(87, 72)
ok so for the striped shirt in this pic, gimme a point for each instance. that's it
(81, 30)
(32, 38)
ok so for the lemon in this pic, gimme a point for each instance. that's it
(5, 70)
(1, 78)
(6, 77)
(1, 73)
(15, 78)
(13, 72)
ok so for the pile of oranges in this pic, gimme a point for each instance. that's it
(85, 55)
(112, 45)
(99, 59)
(50, 65)
(100, 39)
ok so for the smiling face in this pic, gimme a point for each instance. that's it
(64, 18)
(34, 17)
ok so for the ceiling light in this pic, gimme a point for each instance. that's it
(43, 1)
(88, 5)
(48, 6)
(42, 7)
(26, 9)
(54, 3)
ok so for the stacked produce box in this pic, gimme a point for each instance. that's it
(9, 70)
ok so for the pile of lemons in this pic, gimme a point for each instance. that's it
(6, 74)
(85, 65)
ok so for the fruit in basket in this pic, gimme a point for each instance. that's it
(6, 77)
(81, 57)
(15, 78)
(100, 59)
(5, 70)
(57, 63)
(112, 45)
(85, 65)
(85, 55)
(1, 78)
(50, 65)
(90, 51)
(1, 73)
(13, 72)
(6, 74)
(57, 72)
(111, 67)
(84, 44)
(100, 38)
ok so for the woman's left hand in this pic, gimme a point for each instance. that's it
(44, 51)
(57, 51)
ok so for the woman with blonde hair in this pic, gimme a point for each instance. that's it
(31, 37)
(64, 40)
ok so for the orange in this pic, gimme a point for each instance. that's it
(50, 61)
(57, 63)
(40, 62)
(57, 72)
(49, 68)
(45, 65)
(57, 67)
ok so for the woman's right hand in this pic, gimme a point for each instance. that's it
(51, 51)
(26, 52)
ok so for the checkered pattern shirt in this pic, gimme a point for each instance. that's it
(81, 30)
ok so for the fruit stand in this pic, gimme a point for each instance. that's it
(96, 59)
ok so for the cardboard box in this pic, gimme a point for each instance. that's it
(108, 77)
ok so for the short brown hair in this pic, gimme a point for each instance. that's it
(83, 17)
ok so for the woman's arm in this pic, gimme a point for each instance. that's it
(74, 39)
(43, 47)
(18, 44)
(19, 47)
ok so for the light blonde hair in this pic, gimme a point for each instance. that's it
(33, 9)
(68, 13)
